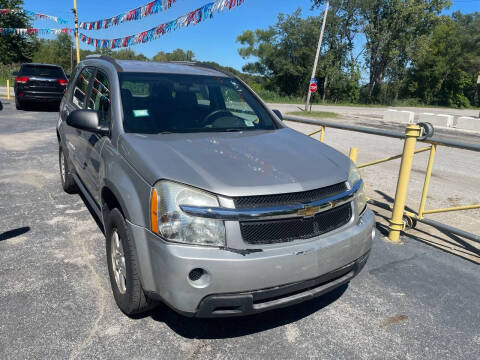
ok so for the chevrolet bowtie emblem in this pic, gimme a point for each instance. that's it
(309, 211)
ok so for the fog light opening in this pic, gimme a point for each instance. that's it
(199, 278)
(195, 274)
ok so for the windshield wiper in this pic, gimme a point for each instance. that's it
(229, 130)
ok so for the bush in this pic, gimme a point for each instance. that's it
(6, 73)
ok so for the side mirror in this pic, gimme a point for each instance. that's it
(15, 73)
(1, 106)
(278, 113)
(86, 120)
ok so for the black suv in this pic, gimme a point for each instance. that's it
(39, 83)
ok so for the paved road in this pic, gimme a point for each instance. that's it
(374, 112)
(411, 300)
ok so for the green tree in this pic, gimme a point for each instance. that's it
(284, 55)
(122, 54)
(15, 48)
(284, 52)
(57, 51)
(445, 68)
(391, 29)
(128, 54)
(176, 55)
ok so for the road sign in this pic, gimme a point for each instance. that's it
(313, 80)
(313, 87)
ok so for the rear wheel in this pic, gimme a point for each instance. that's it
(123, 267)
(18, 104)
(68, 183)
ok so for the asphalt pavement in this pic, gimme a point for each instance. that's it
(410, 301)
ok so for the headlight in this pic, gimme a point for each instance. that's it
(172, 224)
(353, 178)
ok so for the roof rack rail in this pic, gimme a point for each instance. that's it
(212, 67)
(106, 58)
(183, 62)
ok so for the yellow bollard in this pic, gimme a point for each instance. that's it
(8, 89)
(353, 154)
(322, 133)
(412, 132)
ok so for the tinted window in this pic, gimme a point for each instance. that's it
(100, 97)
(154, 103)
(42, 71)
(81, 87)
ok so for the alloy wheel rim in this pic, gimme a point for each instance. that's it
(118, 262)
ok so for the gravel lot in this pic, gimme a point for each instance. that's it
(411, 300)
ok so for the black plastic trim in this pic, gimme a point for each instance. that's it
(248, 303)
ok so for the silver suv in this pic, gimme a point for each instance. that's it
(209, 202)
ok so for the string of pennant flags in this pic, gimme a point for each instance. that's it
(192, 18)
(138, 13)
(35, 15)
(34, 31)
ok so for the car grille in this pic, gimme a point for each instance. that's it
(278, 231)
(303, 197)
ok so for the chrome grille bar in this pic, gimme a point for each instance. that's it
(275, 212)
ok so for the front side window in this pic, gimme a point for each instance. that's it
(155, 103)
(81, 87)
(99, 99)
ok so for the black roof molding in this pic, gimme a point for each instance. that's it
(105, 58)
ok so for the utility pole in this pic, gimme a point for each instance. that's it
(318, 53)
(76, 29)
(71, 60)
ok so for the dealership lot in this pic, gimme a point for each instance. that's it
(410, 301)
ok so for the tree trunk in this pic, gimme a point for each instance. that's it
(324, 95)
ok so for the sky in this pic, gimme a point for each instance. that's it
(212, 40)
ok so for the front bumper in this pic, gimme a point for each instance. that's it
(257, 301)
(234, 281)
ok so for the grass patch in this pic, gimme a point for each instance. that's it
(317, 114)
(3, 82)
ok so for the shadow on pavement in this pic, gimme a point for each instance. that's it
(441, 242)
(92, 212)
(45, 107)
(223, 328)
(14, 233)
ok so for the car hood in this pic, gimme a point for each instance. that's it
(236, 163)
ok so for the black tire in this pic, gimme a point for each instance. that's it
(132, 300)
(18, 104)
(68, 183)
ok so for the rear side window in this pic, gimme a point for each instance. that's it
(81, 86)
(100, 97)
(42, 71)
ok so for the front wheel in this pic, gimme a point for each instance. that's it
(123, 267)
(68, 182)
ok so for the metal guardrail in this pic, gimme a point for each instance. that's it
(401, 219)
(380, 132)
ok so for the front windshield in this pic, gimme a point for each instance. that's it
(162, 103)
